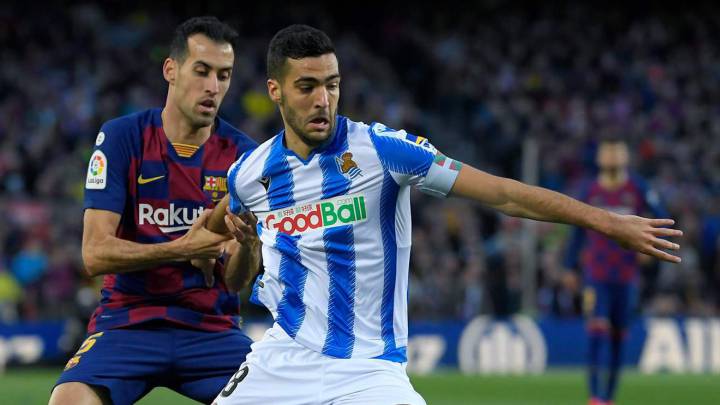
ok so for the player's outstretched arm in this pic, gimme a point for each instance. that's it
(105, 253)
(521, 200)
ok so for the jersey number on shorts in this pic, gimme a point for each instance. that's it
(84, 347)
(234, 381)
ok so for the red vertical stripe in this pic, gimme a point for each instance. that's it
(185, 183)
(154, 144)
(219, 153)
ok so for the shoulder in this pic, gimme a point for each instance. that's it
(354, 128)
(240, 139)
(127, 128)
(384, 134)
(255, 156)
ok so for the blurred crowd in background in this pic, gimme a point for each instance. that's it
(478, 83)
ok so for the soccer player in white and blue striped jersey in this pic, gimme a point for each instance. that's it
(331, 197)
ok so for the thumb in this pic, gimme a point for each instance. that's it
(202, 219)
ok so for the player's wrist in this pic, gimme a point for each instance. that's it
(180, 250)
(608, 223)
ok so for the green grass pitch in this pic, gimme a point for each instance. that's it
(32, 386)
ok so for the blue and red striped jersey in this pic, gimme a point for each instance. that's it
(159, 191)
(602, 259)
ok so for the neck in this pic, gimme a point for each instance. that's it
(178, 129)
(612, 179)
(295, 143)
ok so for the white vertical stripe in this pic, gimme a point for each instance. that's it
(400, 326)
(369, 275)
(316, 294)
(313, 331)
(403, 232)
(369, 289)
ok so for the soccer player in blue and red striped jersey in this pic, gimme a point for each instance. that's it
(610, 272)
(152, 181)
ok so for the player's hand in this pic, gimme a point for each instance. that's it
(200, 243)
(243, 227)
(644, 235)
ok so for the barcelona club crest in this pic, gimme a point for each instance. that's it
(215, 187)
(347, 166)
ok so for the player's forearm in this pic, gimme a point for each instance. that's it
(521, 200)
(243, 265)
(216, 222)
(114, 255)
(546, 205)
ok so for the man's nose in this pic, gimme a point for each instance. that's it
(322, 99)
(212, 85)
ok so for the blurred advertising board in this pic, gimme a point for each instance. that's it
(517, 345)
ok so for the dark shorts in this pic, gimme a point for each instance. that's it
(131, 362)
(614, 302)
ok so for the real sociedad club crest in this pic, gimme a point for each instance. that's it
(348, 166)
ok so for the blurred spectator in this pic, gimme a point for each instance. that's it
(30, 264)
(10, 293)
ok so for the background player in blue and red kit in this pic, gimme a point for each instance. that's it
(151, 181)
(610, 272)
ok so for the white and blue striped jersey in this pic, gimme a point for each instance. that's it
(335, 230)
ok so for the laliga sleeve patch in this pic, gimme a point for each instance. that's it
(97, 171)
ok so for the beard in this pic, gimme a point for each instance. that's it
(201, 120)
(297, 124)
(196, 118)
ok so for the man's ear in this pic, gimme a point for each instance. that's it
(274, 90)
(170, 67)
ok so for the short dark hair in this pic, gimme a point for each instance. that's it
(209, 26)
(612, 139)
(296, 41)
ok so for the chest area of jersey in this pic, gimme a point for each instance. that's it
(171, 191)
(334, 190)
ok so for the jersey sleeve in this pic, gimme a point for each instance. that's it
(107, 172)
(413, 160)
